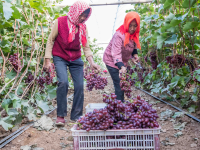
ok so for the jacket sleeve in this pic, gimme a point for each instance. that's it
(51, 39)
(87, 51)
(116, 50)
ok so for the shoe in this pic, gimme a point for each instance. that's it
(73, 121)
(60, 121)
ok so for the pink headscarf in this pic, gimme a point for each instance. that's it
(74, 12)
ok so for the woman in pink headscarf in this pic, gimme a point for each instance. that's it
(64, 43)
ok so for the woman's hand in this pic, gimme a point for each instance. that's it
(47, 63)
(122, 70)
(93, 65)
(135, 58)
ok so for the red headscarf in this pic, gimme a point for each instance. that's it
(124, 28)
(74, 12)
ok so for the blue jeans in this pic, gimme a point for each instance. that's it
(76, 70)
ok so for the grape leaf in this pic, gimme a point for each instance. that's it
(194, 98)
(160, 40)
(190, 25)
(188, 3)
(7, 10)
(11, 75)
(12, 112)
(16, 14)
(5, 125)
(174, 22)
(168, 3)
(172, 39)
(51, 92)
(43, 105)
(192, 108)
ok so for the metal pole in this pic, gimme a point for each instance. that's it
(114, 3)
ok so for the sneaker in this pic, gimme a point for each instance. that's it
(60, 121)
(73, 121)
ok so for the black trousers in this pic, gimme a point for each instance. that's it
(116, 81)
(76, 70)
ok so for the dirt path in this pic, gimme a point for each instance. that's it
(186, 136)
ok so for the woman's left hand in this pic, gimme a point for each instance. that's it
(135, 58)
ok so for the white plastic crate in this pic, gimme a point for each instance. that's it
(91, 106)
(126, 139)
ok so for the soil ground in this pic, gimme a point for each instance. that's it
(60, 138)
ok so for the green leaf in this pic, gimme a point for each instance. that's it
(12, 112)
(5, 104)
(192, 108)
(169, 18)
(175, 79)
(188, 3)
(194, 98)
(190, 25)
(16, 103)
(16, 14)
(25, 41)
(43, 105)
(175, 22)
(5, 125)
(172, 39)
(11, 75)
(51, 92)
(7, 10)
(33, 62)
(160, 40)
(168, 3)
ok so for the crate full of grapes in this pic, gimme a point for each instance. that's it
(129, 125)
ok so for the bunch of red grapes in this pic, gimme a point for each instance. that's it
(15, 61)
(153, 59)
(176, 61)
(195, 74)
(125, 84)
(29, 78)
(94, 80)
(46, 77)
(134, 114)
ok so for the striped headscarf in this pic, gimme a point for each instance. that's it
(74, 12)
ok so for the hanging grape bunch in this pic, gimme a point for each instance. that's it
(196, 75)
(29, 78)
(176, 61)
(125, 85)
(133, 114)
(94, 79)
(46, 76)
(153, 59)
(15, 61)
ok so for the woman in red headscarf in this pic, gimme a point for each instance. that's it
(67, 34)
(121, 48)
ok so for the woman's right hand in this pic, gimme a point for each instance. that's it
(47, 63)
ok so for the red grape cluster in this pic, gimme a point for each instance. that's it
(29, 78)
(15, 61)
(176, 61)
(46, 77)
(125, 84)
(50, 74)
(153, 59)
(133, 114)
(94, 80)
(195, 74)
